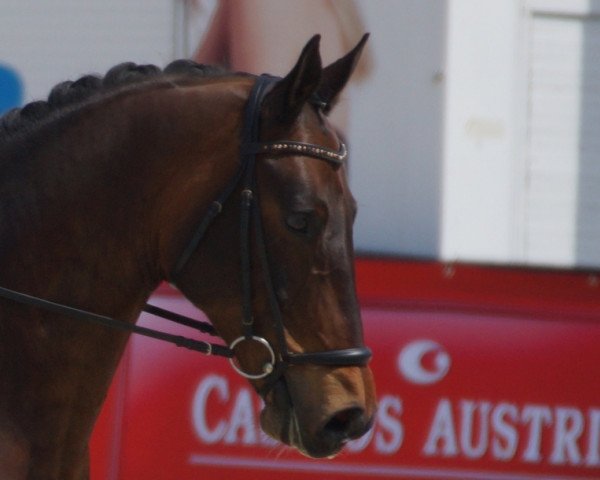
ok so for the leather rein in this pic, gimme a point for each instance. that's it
(245, 178)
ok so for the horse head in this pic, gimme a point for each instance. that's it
(296, 287)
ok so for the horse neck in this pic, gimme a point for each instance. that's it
(111, 196)
(89, 220)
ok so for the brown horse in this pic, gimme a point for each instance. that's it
(101, 189)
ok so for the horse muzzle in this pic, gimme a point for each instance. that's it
(313, 432)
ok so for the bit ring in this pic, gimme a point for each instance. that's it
(267, 368)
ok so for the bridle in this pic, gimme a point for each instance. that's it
(251, 148)
(244, 179)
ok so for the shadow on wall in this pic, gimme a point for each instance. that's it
(588, 200)
(11, 88)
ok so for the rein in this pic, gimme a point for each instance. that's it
(84, 315)
(245, 178)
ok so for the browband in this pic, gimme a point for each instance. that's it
(298, 148)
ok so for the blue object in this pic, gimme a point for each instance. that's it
(11, 88)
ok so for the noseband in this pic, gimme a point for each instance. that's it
(245, 178)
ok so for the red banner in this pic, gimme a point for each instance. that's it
(464, 392)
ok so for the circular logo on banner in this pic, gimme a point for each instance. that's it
(11, 88)
(423, 362)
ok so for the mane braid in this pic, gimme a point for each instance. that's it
(71, 93)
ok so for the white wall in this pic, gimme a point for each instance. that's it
(481, 159)
(520, 170)
(396, 132)
(52, 41)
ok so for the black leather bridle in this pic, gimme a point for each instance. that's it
(245, 179)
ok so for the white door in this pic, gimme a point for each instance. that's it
(562, 190)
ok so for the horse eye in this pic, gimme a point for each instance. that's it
(297, 222)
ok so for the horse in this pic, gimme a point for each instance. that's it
(228, 185)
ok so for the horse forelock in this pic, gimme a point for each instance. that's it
(69, 94)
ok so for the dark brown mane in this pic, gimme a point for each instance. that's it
(70, 94)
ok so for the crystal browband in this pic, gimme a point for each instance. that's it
(299, 148)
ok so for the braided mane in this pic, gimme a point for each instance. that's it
(71, 93)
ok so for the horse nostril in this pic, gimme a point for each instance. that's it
(347, 424)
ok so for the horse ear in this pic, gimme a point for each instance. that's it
(285, 101)
(336, 76)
